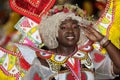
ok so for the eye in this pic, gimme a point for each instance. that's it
(75, 26)
(62, 27)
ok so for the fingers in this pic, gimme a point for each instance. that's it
(87, 32)
(89, 29)
(85, 29)
(93, 30)
(98, 35)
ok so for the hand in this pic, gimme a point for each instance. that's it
(92, 34)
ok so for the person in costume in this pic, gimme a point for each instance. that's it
(69, 37)
(13, 66)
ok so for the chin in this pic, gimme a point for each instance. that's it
(71, 44)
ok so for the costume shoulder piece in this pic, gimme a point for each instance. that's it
(29, 29)
(15, 65)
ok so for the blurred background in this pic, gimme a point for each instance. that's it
(8, 33)
(8, 19)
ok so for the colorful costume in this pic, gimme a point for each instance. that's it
(80, 65)
(17, 65)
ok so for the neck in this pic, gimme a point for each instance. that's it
(66, 50)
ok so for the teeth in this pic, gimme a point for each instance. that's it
(71, 37)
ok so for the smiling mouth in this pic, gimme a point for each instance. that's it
(70, 37)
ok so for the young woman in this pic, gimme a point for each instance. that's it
(71, 55)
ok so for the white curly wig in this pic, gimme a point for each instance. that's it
(49, 26)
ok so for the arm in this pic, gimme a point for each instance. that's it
(114, 54)
(113, 51)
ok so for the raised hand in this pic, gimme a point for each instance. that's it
(92, 34)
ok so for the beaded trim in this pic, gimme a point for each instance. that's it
(10, 52)
(17, 75)
(29, 14)
(54, 66)
(58, 59)
(81, 55)
(35, 4)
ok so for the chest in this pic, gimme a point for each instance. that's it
(79, 65)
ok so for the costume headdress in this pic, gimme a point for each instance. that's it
(50, 23)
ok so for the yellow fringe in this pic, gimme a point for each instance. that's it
(114, 33)
(5, 77)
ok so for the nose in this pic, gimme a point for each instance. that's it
(70, 30)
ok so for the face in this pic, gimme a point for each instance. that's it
(68, 33)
